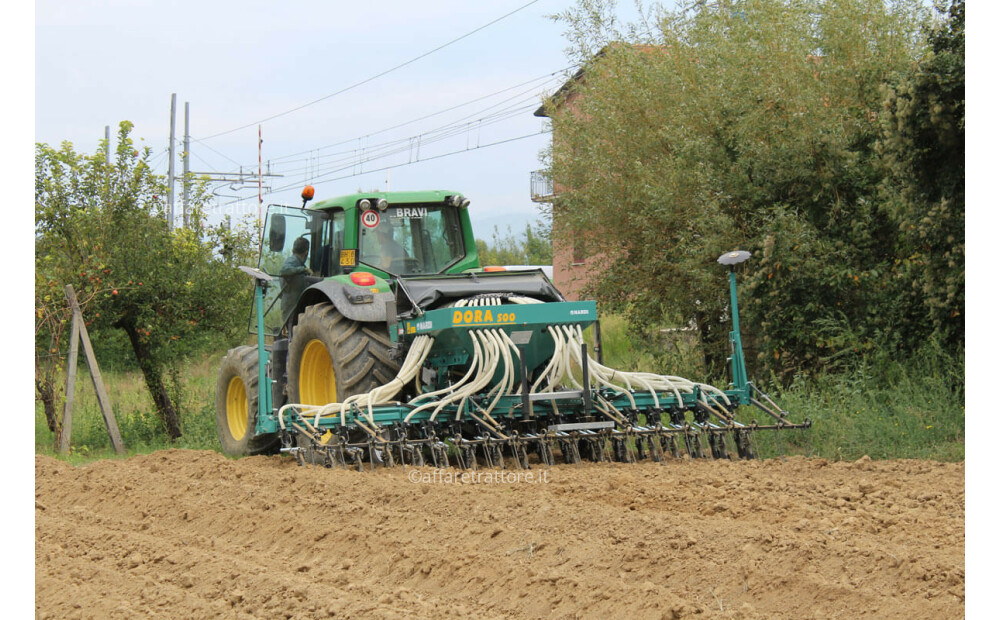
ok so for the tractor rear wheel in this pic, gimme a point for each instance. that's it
(331, 357)
(236, 397)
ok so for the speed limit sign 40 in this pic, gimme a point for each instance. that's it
(369, 219)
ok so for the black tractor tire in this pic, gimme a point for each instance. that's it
(331, 357)
(236, 397)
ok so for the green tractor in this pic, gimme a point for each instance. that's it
(381, 340)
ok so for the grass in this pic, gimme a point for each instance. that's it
(141, 428)
(912, 409)
(886, 409)
(672, 353)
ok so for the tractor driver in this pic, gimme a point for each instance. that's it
(389, 249)
(293, 276)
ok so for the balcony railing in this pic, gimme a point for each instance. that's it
(541, 187)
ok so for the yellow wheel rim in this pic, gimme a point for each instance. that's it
(317, 382)
(237, 412)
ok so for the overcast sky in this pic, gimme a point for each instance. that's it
(238, 64)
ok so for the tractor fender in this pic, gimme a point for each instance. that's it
(353, 302)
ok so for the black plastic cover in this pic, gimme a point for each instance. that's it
(428, 292)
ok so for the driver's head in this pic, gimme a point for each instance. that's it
(385, 230)
(300, 246)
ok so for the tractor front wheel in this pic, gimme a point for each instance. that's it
(236, 400)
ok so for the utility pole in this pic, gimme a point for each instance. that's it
(170, 165)
(187, 161)
(260, 178)
(231, 178)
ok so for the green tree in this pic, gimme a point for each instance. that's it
(534, 247)
(749, 124)
(923, 144)
(101, 227)
(538, 244)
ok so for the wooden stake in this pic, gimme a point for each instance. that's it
(95, 374)
(66, 427)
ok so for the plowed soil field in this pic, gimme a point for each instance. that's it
(182, 534)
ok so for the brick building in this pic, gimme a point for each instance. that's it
(572, 269)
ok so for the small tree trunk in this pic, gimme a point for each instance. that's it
(47, 394)
(154, 382)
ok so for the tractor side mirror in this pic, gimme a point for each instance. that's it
(276, 233)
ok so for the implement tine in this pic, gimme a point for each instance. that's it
(668, 445)
(717, 442)
(522, 455)
(441, 449)
(571, 451)
(620, 448)
(629, 450)
(752, 443)
(743, 443)
(729, 443)
(696, 446)
(460, 453)
(600, 446)
(690, 442)
(545, 450)
(640, 447)
(329, 460)
(496, 454)
(569, 446)
(487, 453)
(357, 459)
(655, 449)
(418, 456)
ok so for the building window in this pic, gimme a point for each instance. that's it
(578, 256)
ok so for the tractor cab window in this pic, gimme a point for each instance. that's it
(296, 251)
(414, 239)
(328, 261)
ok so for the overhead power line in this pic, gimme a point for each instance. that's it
(495, 112)
(216, 152)
(421, 160)
(358, 157)
(374, 77)
(548, 77)
(325, 176)
(470, 125)
(364, 150)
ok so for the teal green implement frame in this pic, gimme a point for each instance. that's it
(527, 325)
(265, 409)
